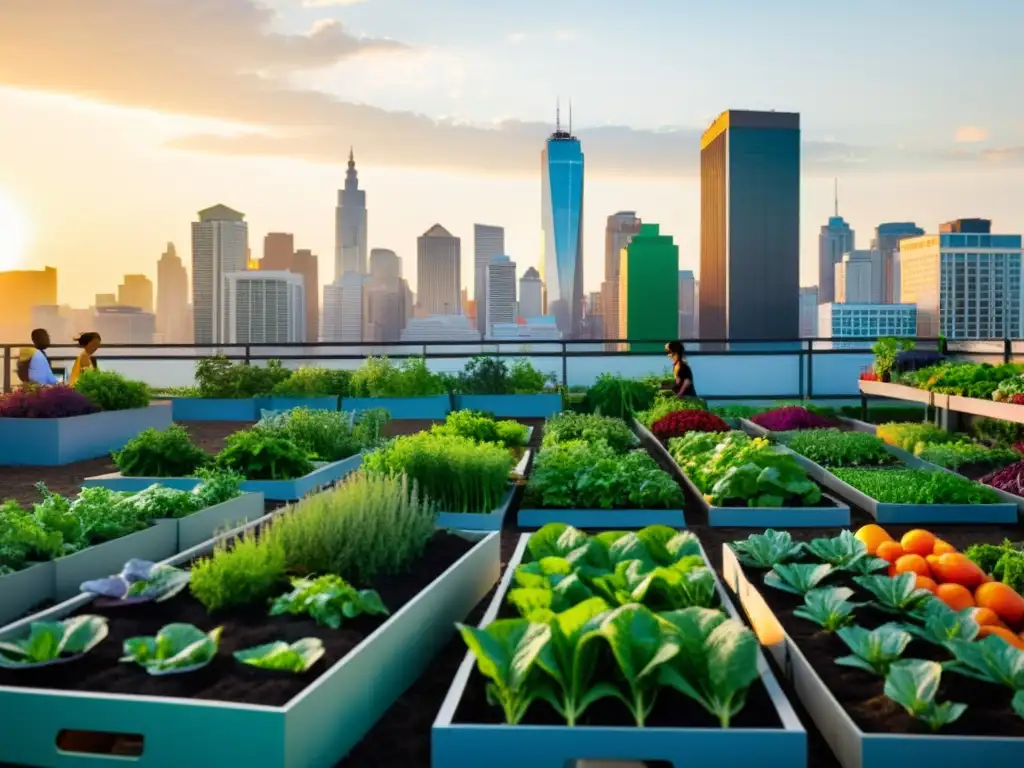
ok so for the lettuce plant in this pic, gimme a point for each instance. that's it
(913, 684)
(328, 600)
(873, 651)
(140, 581)
(768, 549)
(796, 577)
(280, 656)
(54, 642)
(841, 551)
(176, 649)
(895, 594)
(940, 624)
(829, 608)
(991, 659)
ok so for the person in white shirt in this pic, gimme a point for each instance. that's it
(33, 364)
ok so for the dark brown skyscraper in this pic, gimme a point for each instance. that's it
(750, 226)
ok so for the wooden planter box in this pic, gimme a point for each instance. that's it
(896, 391)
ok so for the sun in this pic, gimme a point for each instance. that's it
(15, 232)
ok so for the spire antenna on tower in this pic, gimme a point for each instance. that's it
(558, 114)
(835, 194)
(570, 117)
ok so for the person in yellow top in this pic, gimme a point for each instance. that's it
(89, 342)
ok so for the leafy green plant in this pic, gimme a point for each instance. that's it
(797, 578)
(484, 375)
(768, 549)
(104, 517)
(916, 486)
(991, 660)
(160, 453)
(112, 391)
(483, 428)
(258, 455)
(368, 427)
(280, 656)
(619, 397)
(324, 435)
(25, 539)
(53, 642)
(567, 427)
(328, 600)
(524, 379)
(365, 528)
(913, 684)
(379, 377)
(956, 455)
(833, 448)
(241, 571)
(311, 381)
(873, 651)
(895, 594)
(1004, 561)
(886, 351)
(842, 551)
(663, 405)
(140, 581)
(907, 436)
(158, 502)
(217, 486)
(940, 624)
(175, 649)
(218, 377)
(829, 608)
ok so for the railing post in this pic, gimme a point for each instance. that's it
(565, 366)
(810, 369)
(800, 360)
(248, 351)
(1007, 350)
(7, 368)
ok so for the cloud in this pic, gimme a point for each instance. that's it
(224, 60)
(516, 37)
(970, 134)
(328, 3)
(567, 36)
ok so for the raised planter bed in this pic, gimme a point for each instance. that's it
(276, 403)
(853, 746)
(456, 743)
(205, 524)
(896, 391)
(485, 521)
(316, 724)
(25, 589)
(214, 409)
(432, 407)
(988, 409)
(537, 406)
(55, 442)
(272, 490)
(608, 519)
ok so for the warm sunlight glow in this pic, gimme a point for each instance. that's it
(15, 232)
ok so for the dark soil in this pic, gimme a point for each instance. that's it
(225, 679)
(861, 694)
(978, 470)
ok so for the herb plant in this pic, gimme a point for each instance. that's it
(959, 455)
(160, 453)
(57, 402)
(328, 600)
(483, 429)
(311, 381)
(324, 435)
(53, 642)
(240, 572)
(259, 455)
(379, 377)
(907, 435)
(833, 448)
(112, 391)
(619, 397)
(282, 657)
(175, 649)
(664, 405)
(218, 377)
(1004, 561)
(913, 684)
(569, 426)
(916, 486)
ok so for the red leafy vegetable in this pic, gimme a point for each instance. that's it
(789, 418)
(45, 403)
(1009, 479)
(678, 423)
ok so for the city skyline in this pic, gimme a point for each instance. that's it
(129, 158)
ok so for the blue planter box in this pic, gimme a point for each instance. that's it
(55, 442)
(214, 409)
(477, 521)
(432, 407)
(272, 490)
(606, 519)
(287, 403)
(539, 406)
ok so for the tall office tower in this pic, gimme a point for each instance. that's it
(835, 239)
(858, 278)
(386, 311)
(750, 226)
(438, 269)
(887, 242)
(306, 263)
(649, 289)
(687, 305)
(501, 292)
(966, 284)
(172, 310)
(105, 300)
(350, 225)
(531, 294)
(618, 232)
(385, 266)
(278, 251)
(488, 242)
(966, 227)
(809, 312)
(561, 266)
(267, 307)
(124, 325)
(20, 290)
(345, 307)
(220, 243)
(136, 291)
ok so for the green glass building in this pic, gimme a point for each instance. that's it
(649, 290)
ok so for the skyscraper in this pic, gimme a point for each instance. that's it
(136, 291)
(687, 305)
(858, 278)
(750, 226)
(385, 266)
(488, 242)
(649, 289)
(531, 294)
(124, 325)
(561, 266)
(386, 297)
(350, 224)
(20, 290)
(306, 263)
(501, 292)
(171, 298)
(278, 251)
(266, 307)
(618, 232)
(438, 268)
(835, 239)
(344, 308)
(809, 312)
(220, 243)
(887, 242)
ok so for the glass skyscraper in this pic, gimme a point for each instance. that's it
(562, 230)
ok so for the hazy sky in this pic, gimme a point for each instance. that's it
(119, 119)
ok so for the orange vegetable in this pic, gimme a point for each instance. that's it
(872, 535)
(890, 551)
(892, 570)
(918, 542)
(932, 560)
(1007, 635)
(923, 582)
(955, 568)
(942, 547)
(1003, 600)
(955, 596)
(986, 617)
(913, 564)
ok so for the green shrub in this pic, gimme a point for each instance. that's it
(240, 572)
(314, 382)
(379, 377)
(483, 429)
(111, 391)
(324, 435)
(160, 453)
(616, 396)
(488, 375)
(218, 377)
(262, 455)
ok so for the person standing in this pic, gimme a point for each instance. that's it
(89, 342)
(682, 385)
(33, 362)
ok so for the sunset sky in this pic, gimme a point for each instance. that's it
(119, 119)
